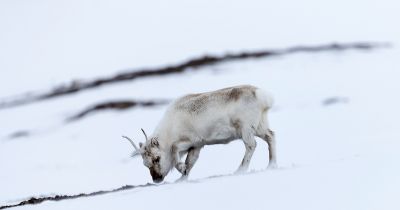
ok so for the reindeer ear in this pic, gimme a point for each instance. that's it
(154, 142)
(140, 144)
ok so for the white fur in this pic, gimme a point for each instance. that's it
(221, 116)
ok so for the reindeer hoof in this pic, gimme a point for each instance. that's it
(182, 178)
(181, 167)
(272, 166)
(240, 171)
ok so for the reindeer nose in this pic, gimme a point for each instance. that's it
(158, 179)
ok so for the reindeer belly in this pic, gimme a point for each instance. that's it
(219, 125)
(220, 131)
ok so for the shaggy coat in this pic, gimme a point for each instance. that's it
(216, 117)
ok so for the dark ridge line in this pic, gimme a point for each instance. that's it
(110, 105)
(115, 105)
(76, 86)
(335, 100)
(35, 200)
(38, 200)
(19, 134)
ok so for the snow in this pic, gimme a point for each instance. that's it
(341, 156)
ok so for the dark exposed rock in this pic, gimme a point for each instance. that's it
(116, 105)
(334, 100)
(207, 60)
(34, 200)
(19, 134)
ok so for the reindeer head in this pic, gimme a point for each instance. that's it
(153, 157)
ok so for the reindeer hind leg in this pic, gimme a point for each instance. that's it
(250, 144)
(268, 136)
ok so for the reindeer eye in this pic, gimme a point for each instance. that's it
(156, 160)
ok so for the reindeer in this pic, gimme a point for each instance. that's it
(196, 120)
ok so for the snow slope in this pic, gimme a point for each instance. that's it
(338, 156)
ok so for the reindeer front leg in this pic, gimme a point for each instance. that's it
(191, 159)
(177, 148)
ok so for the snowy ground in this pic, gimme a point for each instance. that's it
(339, 156)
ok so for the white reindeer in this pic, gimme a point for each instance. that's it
(196, 120)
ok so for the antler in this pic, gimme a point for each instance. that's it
(137, 150)
(144, 133)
